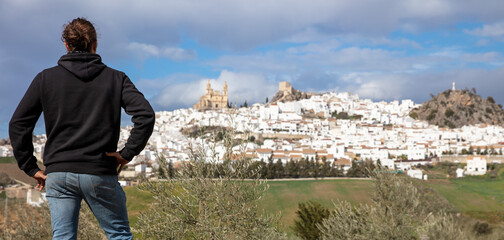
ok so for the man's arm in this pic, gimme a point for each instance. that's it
(21, 128)
(143, 118)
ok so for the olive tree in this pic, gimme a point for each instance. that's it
(195, 205)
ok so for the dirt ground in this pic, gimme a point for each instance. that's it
(14, 172)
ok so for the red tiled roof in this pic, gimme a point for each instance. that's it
(309, 151)
(264, 150)
(342, 161)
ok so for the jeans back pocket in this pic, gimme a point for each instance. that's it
(56, 184)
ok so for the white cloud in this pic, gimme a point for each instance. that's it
(230, 24)
(179, 95)
(241, 86)
(387, 86)
(152, 87)
(148, 50)
(450, 52)
(340, 37)
(488, 30)
(487, 57)
(382, 87)
(338, 60)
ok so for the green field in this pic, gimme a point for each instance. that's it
(136, 202)
(481, 197)
(283, 196)
(478, 197)
(7, 160)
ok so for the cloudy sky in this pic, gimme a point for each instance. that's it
(383, 50)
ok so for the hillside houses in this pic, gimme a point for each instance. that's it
(384, 132)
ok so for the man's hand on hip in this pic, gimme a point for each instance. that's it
(121, 162)
(40, 177)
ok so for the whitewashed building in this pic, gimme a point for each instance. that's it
(416, 173)
(459, 172)
(35, 198)
(476, 166)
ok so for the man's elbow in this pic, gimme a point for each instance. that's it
(151, 116)
(152, 121)
(13, 127)
(148, 120)
(12, 122)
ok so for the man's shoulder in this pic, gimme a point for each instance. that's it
(52, 69)
(107, 68)
(49, 72)
(115, 72)
(57, 70)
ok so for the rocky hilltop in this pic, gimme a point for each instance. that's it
(456, 108)
(286, 93)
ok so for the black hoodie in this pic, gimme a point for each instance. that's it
(81, 99)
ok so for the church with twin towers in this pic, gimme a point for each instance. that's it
(213, 99)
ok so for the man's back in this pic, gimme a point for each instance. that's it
(81, 99)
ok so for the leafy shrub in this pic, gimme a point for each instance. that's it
(432, 114)
(400, 209)
(449, 124)
(35, 223)
(309, 214)
(448, 113)
(482, 228)
(342, 115)
(5, 180)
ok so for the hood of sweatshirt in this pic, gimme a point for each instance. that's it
(85, 66)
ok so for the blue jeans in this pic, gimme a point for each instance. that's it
(102, 193)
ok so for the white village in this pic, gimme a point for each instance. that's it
(308, 129)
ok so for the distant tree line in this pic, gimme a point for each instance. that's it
(477, 151)
(345, 115)
(304, 168)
